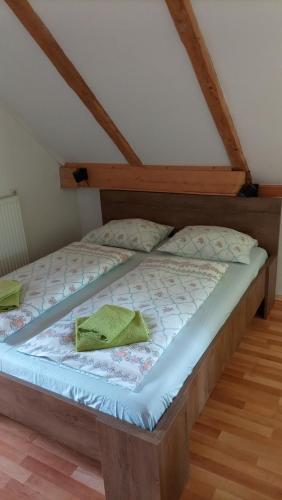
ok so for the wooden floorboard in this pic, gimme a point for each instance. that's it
(236, 443)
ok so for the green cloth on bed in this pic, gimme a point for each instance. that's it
(10, 292)
(110, 326)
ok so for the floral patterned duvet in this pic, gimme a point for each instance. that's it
(167, 290)
(53, 278)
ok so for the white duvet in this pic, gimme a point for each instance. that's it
(49, 280)
(168, 291)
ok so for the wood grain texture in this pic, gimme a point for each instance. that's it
(207, 372)
(162, 451)
(270, 291)
(46, 41)
(257, 217)
(50, 413)
(155, 469)
(235, 443)
(156, 178)
(190, 34)
(270, 190)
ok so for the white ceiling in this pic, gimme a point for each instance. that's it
(130, 54)
(32, 88)
(245, 41)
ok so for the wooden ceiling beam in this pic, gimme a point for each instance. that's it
(46, 41)
(157, 178)
(270, 190)
(190, 34)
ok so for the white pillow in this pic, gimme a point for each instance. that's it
(134, 234)
(211, 243)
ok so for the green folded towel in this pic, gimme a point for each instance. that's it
(10, 291)
(110, 326)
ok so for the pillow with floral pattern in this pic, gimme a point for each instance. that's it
(211, 243)
(134, 234)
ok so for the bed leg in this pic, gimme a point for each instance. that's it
(140, 465)
(270, 286)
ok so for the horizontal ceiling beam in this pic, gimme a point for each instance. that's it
(270, 190)
(157, 178)
(191, 36)
(46, 41)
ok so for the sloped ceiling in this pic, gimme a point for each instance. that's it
(32, 88)
(244, 38)
(130, 54)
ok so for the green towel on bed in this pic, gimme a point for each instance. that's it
(110, 326)
(10, 291)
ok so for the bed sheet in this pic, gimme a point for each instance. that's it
(144, 406)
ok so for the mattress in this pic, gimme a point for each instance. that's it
(145, 405)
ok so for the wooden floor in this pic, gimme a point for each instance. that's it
(236, 444)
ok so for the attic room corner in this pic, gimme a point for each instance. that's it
(140, 250)
(50, 215)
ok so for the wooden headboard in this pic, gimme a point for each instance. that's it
(258, 217)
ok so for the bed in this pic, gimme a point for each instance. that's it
(138, 463)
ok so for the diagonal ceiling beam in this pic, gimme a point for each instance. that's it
(44, 38)
(189, 31)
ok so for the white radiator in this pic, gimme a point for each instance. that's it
(13, 247)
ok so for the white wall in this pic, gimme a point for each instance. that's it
(89, 206)
(51, 216)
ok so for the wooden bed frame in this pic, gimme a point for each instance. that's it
(138, 464)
